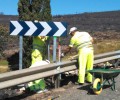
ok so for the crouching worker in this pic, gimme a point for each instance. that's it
(83, 42)
(38, 85)
(38, 56)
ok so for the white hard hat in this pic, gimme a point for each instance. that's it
(36, 21)
(72, 29)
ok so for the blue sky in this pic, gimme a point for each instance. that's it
(63, 7)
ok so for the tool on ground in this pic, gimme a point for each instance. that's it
(73, 57)
(52, 98)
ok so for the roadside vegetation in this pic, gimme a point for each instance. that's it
(106, 46)
(4, 66)
(99, 47)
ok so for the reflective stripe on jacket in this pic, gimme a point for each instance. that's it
(81, 40)
(85, 44)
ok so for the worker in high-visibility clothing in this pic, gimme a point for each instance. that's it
(38, 54)
(39, 48)
(83, 42)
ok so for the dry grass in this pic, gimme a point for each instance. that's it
(4, 66)
(106, 46)
(100, 47)
(4, 69)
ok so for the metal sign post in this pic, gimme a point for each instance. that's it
(54, 48)
(57, 77)
(20, 52)
(59, 60)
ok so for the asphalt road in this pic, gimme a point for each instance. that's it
(77, 92)
(74, 92)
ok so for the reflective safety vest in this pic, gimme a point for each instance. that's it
(81, 40)
(39, 42)
(39, 49)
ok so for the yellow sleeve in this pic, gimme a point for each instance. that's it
(71, 42)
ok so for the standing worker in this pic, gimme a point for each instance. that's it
(83, 42)
(38, 55)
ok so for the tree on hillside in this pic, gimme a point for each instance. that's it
(31, 10)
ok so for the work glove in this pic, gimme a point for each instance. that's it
(62, 55)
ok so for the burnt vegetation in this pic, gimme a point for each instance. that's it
(101, 25)
(100, 21)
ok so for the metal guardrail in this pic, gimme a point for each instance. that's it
(26, 75)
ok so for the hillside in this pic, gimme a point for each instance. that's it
(101, 25)
(100, 21)
(5, 19)
(96, 23)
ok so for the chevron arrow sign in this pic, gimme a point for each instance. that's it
(29, 28)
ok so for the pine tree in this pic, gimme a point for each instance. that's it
(30, 10)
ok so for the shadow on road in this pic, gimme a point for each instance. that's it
(89, 90)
